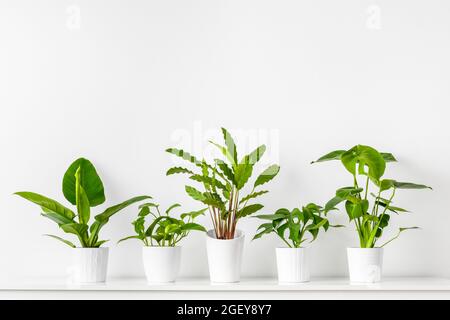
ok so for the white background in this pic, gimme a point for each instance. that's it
(131, 78)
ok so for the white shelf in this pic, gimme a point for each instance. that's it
(257, 288)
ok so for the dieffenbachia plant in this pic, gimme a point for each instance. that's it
(298, 223)
(165, 230)
(223, 182)
(83, 188)
(370, 220)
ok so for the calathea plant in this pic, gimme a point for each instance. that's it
(83, 188)
(164, 230)
(370, 217)
(223, 182)
(298, 223)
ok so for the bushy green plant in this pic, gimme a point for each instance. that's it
(367, 164)
(298, 223)
(223, 182)
(164, 231)
(83, 188)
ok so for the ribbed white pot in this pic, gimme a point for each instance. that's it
(89, 265)
(365, 264)
(224, 257)
(161, 264)
(292, 265)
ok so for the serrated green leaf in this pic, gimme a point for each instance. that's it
(267, 175)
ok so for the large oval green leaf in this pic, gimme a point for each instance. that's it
(89, 180)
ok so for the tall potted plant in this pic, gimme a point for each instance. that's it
(292, 260)
(367, 206)
(223, 182)
(161, 254)
(83, 188)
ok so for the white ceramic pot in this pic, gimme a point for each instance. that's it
(365, 264)
(224, 257)
(89, 265)
(292, 265)
(161, 264)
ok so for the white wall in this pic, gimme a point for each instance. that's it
(120, 87)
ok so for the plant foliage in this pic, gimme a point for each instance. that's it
(83, 188)
(370, 211)
(164, 230)
(223, 182)
(297, 223)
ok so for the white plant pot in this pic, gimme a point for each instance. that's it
(365, 264)
(224, 257)
(292, 265)
(161, 264)
(89, 265)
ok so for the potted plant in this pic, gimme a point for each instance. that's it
(292, 261)
(161, 254)
(367, 206)
(223, 182)
(83, 188)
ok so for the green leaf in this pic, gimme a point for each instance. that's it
(70, 244)
(192, 227)
(214, 200)
(103, 218)
(59, 219)
(128, 238)
(225, 152)
(388, 157)
(47, 204)
(272, 217)
(242, 173)
(267, 228)
(98, 244)
(176, 170)
(89, 180)
(208, 181)
(231, 146)
(184, 155)
(78, 229)
(176, 205)
(409, 185)
(248, 210)
(82, 201)
(364, 156)
(333, 155)
(226, 171)
(194, 193)
(256, 155)
(253, 195)
(193, 214)
(148, 205)
(348, 191)
(267, 175)
(398, 234)
(331, 204)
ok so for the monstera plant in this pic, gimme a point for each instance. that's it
(365, 201)
(83, 188)
(223, 182)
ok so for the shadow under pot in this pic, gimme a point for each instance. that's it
(292, 265)
(224, 257)
(365, 264)
(90, 265)
(161, 264)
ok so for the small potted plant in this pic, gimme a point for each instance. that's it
(367, 207)
(292, 261)
(223, 182)
(161, 254)
(83, 188)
